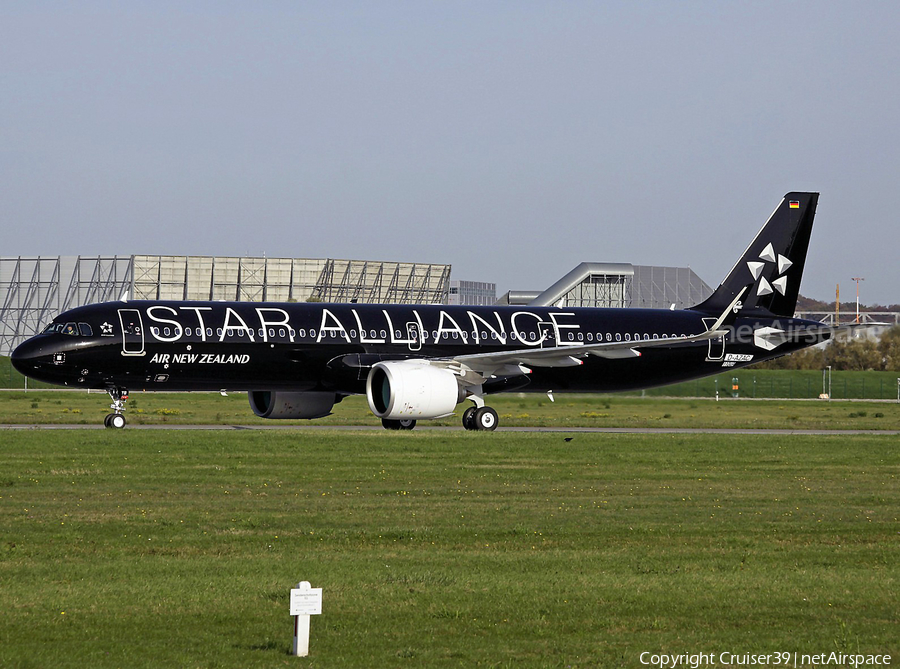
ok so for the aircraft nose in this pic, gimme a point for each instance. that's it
(25, 354)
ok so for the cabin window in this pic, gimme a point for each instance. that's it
(312, 333)
(646, 336)
(627, 337)
(383, 334)
(396, 334)
(637, 336)
(580, 336)
(281, 332)
(590, 336)
(618, 336)
(209, 332)
(272, 332)
(219, 332)
(533, 336)
(373, 334)
(262, 333)
(455, 334)
(484, 334)
(292, 332)
(655, 336)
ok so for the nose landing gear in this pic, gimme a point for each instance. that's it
(116, 419)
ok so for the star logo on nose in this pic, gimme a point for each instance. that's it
(758, 268)
(106, 329)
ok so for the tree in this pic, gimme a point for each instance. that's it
(889, 347)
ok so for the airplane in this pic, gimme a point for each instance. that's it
(419, 362)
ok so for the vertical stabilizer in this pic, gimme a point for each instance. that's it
(773, 263)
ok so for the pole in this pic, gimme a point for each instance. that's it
(857, 279)
(301, 636)
(837, 305)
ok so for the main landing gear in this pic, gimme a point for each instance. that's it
(116, 419)
(480, 418)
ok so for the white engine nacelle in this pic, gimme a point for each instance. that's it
(271, 404)
(412, 389)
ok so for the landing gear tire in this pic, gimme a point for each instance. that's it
(404, 424)
(468, 418)
(114, 420)
(485, 418)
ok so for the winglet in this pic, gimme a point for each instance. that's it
(730, 314)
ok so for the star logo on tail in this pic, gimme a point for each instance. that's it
(757, 269)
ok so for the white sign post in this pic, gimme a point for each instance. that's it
(305, 602)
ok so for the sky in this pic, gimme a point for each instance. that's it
(512, 140)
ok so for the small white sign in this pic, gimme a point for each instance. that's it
(306, 601)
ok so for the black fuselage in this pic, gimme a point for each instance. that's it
(181, 346)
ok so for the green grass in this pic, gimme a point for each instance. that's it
(515, 410)
(787, 384)
(456, 549)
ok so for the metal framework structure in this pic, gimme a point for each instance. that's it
(890, 318)
(620, 285)
(382, 282)
(33, 290)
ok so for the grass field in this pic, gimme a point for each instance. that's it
(456, 549)
(523, 411)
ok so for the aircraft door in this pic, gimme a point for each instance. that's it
(132, 332)
(414, 336)
(716, 350)
(547, 334)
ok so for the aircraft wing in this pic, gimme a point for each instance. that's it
(503, 363)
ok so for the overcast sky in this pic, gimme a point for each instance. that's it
(510, 139)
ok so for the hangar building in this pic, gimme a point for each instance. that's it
(34, 290)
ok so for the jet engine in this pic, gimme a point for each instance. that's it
(271, 404)
(412, 389)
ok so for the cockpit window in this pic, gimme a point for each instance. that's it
(71, 329)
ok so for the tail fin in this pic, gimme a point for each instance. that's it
(773, 263)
